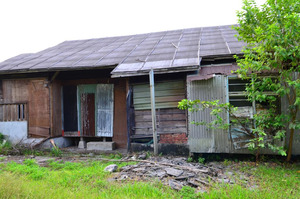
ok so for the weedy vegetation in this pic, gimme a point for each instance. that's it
(88, 179)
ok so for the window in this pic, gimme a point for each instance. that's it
(240, 130)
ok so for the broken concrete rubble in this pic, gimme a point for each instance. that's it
(111, 168)
(176, 173)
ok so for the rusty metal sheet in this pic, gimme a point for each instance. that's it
(88, 114)
(207, 72)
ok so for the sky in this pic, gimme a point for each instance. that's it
(29, 26)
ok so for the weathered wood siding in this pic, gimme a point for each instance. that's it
(36, 93)
(167, 95)
(120, 115)
(13, 111)
(56, 106)
(168, 117)
(171, 120)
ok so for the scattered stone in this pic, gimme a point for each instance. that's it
(142, 157)
(193, 183)
(133, 157)
(123, 177)
(142, 169)
(91, 154)
(223, 180)
(202, 181)
(182, 178)
(175, 185)
(173, 172)
(111, 168)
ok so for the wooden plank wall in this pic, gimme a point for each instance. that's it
(168, 117)
(167, 94)
(120, 114)
(170, 120)
(56, 127)
(36, 93)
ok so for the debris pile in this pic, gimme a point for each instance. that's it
(175, 172)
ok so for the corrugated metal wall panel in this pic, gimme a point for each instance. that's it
(202, 139)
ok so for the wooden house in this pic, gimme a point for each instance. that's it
(98, 89)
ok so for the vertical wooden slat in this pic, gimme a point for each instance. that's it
(1, 113)
(4, 113)
(11, 113)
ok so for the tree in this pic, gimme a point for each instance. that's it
(272, 35)
(271, 63)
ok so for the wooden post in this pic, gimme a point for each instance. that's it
(152, 93)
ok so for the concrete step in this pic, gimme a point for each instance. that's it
(101, 146)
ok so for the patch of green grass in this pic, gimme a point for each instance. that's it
(29, 168)
(267, 181)
(34, 152)
(89, 180)
(73, 180)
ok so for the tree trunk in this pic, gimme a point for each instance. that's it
(290, 147)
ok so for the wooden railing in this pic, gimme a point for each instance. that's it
(17, 111)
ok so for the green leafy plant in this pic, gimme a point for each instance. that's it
(56, 152)
(190, 159)
(5, 146)
(272, 35)
(201, 160)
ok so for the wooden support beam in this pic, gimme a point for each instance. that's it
(152, 93)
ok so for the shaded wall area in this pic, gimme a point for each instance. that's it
(69, 79)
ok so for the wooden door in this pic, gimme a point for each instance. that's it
(88, 114)
(105, 105)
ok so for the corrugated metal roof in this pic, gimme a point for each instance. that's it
(177, 50)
